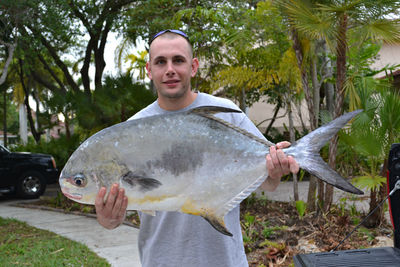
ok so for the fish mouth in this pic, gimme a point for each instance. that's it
(74, 196)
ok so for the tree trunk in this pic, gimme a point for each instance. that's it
(5, 117)
(304, 79)
(341, 51)
(292, 140)
(330, 106)
(316, 87)
(277, 108)
(340, 81)
(67, 125)
(329, 88)
(298, 107)
(35, 95)
(316, 101)
(3, 77)
(242, 100)
(35, 134)
(23, 129)
(377, 196)
(10, 52)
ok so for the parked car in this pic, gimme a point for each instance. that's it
(26, 174)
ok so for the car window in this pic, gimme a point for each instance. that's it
(3, 149)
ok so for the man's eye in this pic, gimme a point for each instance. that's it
(159, 62)
(179, 60)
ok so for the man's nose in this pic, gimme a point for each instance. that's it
(170, 69)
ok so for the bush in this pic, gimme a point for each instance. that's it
(61, 148)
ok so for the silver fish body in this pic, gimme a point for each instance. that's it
(189, 161)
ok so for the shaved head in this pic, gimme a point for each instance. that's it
(171, 36)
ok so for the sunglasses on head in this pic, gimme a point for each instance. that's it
(181, 33)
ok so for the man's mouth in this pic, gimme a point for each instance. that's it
(171, 82)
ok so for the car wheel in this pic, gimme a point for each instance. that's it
(31, 184)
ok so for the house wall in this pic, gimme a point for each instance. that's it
(261, 111)
(388, 55)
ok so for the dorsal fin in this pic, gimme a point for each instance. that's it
(238, 129)
(213, 110)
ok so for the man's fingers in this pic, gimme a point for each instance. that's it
(274, 157)
(283, 160)
(124, 205)
(111, 197)
(270, 164)
(294, 166)
(99, 202)
(283, 144)
(119, 199)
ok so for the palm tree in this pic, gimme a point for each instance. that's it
(334, 21)
(371, 136)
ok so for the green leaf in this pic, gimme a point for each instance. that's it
(301, 207)
(369, 182)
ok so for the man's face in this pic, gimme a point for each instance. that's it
(171, 66)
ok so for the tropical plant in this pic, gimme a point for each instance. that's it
(371, 135)
(334, 22)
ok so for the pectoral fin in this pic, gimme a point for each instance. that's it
(218, 224)
(145, 184)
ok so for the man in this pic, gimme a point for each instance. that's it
(172, 238)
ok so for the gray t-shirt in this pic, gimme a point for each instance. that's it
(176, 239)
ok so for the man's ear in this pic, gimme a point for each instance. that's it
(195, 66)
(148, 70)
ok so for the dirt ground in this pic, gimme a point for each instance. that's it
(278, 233)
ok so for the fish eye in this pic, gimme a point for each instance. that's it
(79, 180)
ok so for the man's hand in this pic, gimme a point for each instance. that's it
(278, 165)
(112, 213)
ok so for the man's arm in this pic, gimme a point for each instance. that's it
(278, 165)
(112, 213)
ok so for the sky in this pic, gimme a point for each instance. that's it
(109, 54)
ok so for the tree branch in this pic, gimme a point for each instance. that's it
(11, 49)
(47, 67)
(56, 58)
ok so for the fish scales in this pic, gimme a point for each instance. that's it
(185, 161)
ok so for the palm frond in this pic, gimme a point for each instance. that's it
(383, 29)
(340, 7)
(369, 181)
(309, 20)
(389, 115)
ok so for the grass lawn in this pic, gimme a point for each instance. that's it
(23, 245)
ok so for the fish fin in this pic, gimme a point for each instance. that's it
(218, 223)
(237, 129)
(213, 110)
(145, 184)
(234, 202)
(149, 212)
(209, 111)
(306, 152)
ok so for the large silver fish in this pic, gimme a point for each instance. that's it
(189, 161)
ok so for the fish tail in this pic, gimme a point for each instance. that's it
(306, 152)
